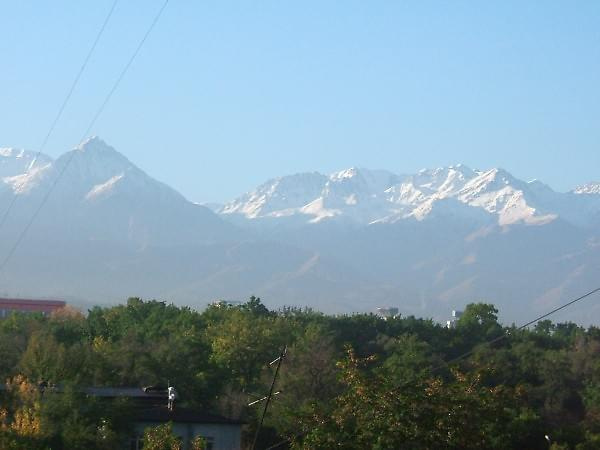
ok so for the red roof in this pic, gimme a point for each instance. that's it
(22, 304)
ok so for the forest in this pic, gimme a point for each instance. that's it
(354, 381)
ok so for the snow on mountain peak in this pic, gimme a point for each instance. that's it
(589, 188)
(361, 181)
(443, 180)
(9, 152)
(25, 182)
(498, 192)
(94, 162)
(19, 158)
(103, 188)
(92, 170)
(94, 151)
(19, 167)
(92, 143)
(347, 173)
(278, 195)
(368, 196)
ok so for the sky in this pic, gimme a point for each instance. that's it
(225, 95)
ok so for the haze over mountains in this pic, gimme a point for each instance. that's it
(350, 241)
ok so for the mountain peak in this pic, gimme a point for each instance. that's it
(366, 196)
(346, 173)
(96, 146)
(9, 152)
(92, 143)
(96, 153)
(438, 171)
(15, 163)
(588, 188)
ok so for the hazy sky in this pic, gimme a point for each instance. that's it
(227, 94)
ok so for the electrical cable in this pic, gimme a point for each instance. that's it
(469, 353)
(87, 131)
(61, 109)
(507, 334)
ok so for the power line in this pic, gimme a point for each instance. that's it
(507, 334)
(87, 131)
(123, 72)
(469, 353)
(268, 398)
(61, 109)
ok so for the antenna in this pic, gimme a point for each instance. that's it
(171, 396)
(263, 398)
(268, 398)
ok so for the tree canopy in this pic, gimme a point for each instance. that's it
(349, 381)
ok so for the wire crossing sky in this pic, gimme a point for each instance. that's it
(228, 94)
(6, 212)
(85, 135)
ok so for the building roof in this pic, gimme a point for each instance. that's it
(131, 392)
(107, 392)
(162, 414)
(158, 414)
(31, 302)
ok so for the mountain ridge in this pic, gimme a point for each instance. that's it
(350, 241)
(367, 196)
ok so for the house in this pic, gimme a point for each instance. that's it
(387, 312)
(8, 305)
(454, 320)
(152, 410)
(219, 432)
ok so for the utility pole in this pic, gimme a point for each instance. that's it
(277, 360)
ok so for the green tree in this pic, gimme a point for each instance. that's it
(423, 414)
(161, 437)
(308, 379)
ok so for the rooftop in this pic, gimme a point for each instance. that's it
(131, 392)
(30, 302)
(185, 415)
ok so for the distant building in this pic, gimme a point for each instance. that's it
(388, 312)
(226, 303)
(8, 305)
(455, 316)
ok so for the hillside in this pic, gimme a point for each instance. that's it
(428, 242)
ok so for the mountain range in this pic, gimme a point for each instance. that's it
(367, 197)
(350, 241)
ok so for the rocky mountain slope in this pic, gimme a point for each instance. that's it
(428, 242)
(366, 197)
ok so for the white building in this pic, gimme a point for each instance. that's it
(219, 432)
(455, 316)
(388, 312)
(152, 409)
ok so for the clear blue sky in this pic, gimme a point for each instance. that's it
(227, 94)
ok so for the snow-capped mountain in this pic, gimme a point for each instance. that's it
(441, 236)
(278, 196)
(16, 162)
(589, 188)
(428, 242)
(91, 170)
(366, 196)
(314, 197)
(109, 198)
